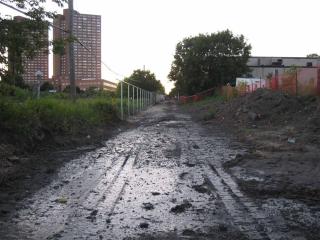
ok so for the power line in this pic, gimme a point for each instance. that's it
(66, 31)
(27, 14)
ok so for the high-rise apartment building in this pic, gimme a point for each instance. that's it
(87, 29)
(39, 62)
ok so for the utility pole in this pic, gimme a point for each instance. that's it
(71, 53)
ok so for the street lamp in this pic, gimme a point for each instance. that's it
(39, 76)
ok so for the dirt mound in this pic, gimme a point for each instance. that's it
(314, 121)
(271, 106)
(282, 133)
(268, 103)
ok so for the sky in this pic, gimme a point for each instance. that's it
(144, 33)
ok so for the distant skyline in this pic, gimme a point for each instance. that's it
(138, 33)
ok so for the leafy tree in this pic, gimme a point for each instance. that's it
(209, 60)
(173, 92)
(21, 42)
(23, 38)
(145, 80)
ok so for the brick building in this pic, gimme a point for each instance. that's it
(40, 62)
(87, 29)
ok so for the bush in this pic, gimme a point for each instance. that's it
(7, 90)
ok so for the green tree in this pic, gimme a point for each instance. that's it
(22, 38)
(209, 60)
(145, 80)
(20, 41)
(173, 92)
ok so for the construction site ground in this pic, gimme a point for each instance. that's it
(247, 168)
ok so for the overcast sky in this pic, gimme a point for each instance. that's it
(145, 32)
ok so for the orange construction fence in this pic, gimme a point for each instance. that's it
(197, 97)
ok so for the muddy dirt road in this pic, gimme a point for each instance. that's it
(162, 180)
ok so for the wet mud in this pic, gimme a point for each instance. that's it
(165, 179)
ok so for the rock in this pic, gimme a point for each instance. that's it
(189, 164)
(147, 206)
(61, 200)
(195, 146)
(13, 159)
(144, 225)
(155, 193)
(201, 188)
(181, 207)
(183, 175)
(292, 140)
(92, 215)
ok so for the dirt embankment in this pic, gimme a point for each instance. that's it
(282, 137)
(25, 158)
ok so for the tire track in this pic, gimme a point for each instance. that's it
(83, 191)
(90, 218)
(249, 218)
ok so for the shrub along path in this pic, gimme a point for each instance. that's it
(31, 126)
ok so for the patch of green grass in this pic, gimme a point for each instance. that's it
(206, 103)
(55, 116)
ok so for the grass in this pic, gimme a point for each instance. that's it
(205, 103)
(26, 118)
(56, 115)
(204, 109)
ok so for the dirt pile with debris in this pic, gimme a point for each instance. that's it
(281, 133)
(271, 107)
